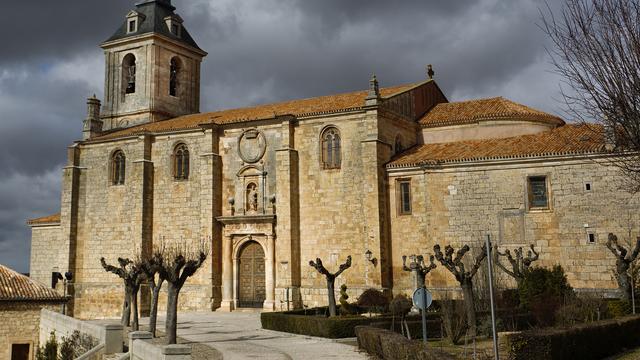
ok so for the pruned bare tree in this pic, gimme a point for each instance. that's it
(624, 260)
(151, 268)
(418, 267)
(331, 280)
(464, 277)
(597, 53)
(180, 262)
(520, 264)
(132, 275)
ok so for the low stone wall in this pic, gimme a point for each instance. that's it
(142, 348)
(110, 335)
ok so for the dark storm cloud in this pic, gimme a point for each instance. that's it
(34, 30)
(259, 51)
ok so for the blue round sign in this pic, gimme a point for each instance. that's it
(422, 298)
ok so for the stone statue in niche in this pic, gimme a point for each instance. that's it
(252, 198)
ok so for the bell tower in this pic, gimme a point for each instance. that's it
(152, 70)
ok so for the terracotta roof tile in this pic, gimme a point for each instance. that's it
(301, 107)
(51, 219)
(472, 111)
(17, 287)
(564, 140)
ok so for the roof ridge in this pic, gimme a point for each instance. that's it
(315, 97)
(17, 287)
(568, 139)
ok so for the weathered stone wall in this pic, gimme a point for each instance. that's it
(110, 221)
(46, 253)
(458, 205)
(19, 324)
(150, 208)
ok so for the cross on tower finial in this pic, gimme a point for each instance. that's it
(430, 71)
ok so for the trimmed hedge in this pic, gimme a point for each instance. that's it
(388, 345)
(336, 327)
(434, 327)
(590, 341)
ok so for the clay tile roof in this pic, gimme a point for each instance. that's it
(301, 107)
(17, 287)
(472, 111)
(51, 219)
(564, 140)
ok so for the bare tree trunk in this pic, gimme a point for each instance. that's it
(332, 296)
(469, 305)
(331, 280)
(126, 308)
(171, 323)
(135, 326)
(153, 316)
(624, 281)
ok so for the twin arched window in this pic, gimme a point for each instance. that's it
(129, 73)
(331, 148)
(181, 162)
(118, 167)
(174, 71)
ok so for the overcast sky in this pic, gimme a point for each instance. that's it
(259, 51)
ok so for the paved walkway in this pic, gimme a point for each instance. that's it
(239, 336)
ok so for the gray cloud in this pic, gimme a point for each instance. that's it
(259, 51)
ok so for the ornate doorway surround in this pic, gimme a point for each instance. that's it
(246, 240)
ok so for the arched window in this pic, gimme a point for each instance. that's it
(174, 72)
(129, 73)
(331, 149)
(181, 162)
(118, 168)
(397, 147)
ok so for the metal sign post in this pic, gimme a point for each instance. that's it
(493, 308)
(422, 299)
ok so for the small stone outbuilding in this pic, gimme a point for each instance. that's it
(21, 300)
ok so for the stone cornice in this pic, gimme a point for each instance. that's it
(247, 219)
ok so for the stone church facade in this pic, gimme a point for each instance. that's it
(374, 174)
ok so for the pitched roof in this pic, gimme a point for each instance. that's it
(472, 111)
(154, 12)
(51, 219)
(17, 287)
(563, 140)
(301, 107)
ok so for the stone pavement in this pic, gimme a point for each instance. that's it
(239, 336)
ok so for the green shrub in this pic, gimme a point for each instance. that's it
(373, 300)
(388, 345)
(585, 342)
(50, 349)
(543, 291)
(400, 305)
(619, 308)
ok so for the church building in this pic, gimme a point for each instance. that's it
(374, 174)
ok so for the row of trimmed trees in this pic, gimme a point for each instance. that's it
(173, 264)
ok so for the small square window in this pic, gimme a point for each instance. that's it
(20, 351)
(587, 186)
(175, 29)
(591, 238)
(404, 197)
(538, 194)
(132, 26)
